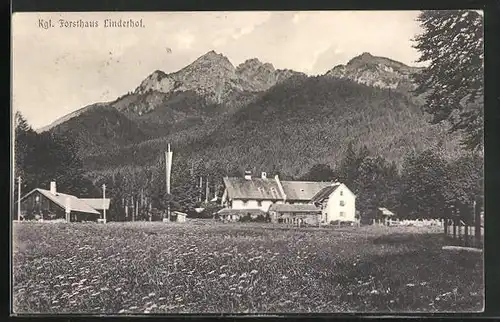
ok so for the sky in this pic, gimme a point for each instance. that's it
(59, 70)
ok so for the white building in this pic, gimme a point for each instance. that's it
(337, 203)
(249, 195)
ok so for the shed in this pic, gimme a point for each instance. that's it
(383, 215)
(179, 216)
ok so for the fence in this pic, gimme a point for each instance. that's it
(463, 226)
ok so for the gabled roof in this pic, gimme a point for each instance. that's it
(255, 188)
(75, 204)
(294, 208)
(386, 212)
(97, 203)
(302, 190)
(61, 199)
(325, 192)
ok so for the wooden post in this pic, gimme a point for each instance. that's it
(133, 210)
(445, 222)
(18, 199)
(477, 224)
(137, 208)
(126, 209)
(104, 201)
(466, 234)
(454, 222)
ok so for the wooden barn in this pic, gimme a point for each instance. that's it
(41, 204)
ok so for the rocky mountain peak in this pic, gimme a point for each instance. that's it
(253, 64)
(376, 71)
(214, 59)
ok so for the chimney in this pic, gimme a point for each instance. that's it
(248, 175)
(264, 175)
(53, 187)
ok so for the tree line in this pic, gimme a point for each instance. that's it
(423, 186)
(426, 185)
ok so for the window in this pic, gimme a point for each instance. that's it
(342, 214)
(259, 203)
(244, 202)
(342, 203)
(341, 192)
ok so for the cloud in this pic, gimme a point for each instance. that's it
(243, 31)
(184, 39)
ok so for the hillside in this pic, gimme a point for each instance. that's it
(255, 116)
(100, 127)
(296, 124)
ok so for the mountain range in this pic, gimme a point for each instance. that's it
(256, 116)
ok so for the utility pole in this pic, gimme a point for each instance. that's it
(68, 210)
(207, 191)
(201, 188)
(19, 198)
(104, 201)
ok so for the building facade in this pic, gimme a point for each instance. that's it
(332, 201)
(41, 204)
(337, 203)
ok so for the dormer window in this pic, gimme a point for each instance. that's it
(274, 192)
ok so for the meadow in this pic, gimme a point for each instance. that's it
(204, 267)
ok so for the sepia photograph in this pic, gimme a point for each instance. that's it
(257, 162)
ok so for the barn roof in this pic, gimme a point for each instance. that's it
(61, 199)
(255, 188)
(97, 203)
(294, 208)
(325, 192)
(75, 203)
(386, 212)
(269, 189)
(302, 190)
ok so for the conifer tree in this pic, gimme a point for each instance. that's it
(425, 182)
(452, 43)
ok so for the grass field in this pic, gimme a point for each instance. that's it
(203, 267)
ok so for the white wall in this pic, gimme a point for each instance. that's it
(252, 204)
(333, 208)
